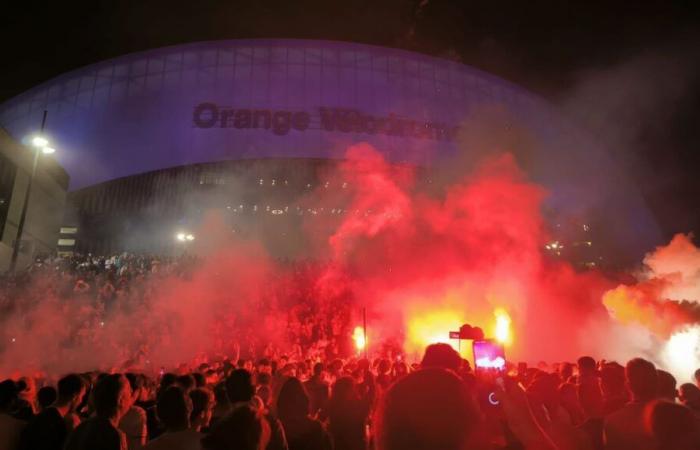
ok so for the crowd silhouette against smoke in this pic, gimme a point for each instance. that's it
(203, 333)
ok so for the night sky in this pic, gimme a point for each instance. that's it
(564, 51)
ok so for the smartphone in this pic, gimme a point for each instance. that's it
(490, 366)
(489, 356)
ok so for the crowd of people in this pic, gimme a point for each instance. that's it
(357, 404)
(316, 394)
(123, 283)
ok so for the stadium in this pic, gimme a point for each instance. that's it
(153, 140)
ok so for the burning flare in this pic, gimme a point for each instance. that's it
(502, 331)
(358, 335)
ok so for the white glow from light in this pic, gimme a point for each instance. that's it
(40, 142)
(181, 237)
(48, 150)
(502, 331)
(682, 353)
(190, 237)
(487, 363)
(358, 336)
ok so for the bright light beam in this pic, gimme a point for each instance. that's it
(358, 336)
(502, 331)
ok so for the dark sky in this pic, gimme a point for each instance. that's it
(543, 46)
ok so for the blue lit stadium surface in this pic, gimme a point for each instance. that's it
(219, 100)
(255, 99)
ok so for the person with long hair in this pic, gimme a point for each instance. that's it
(303, 432)
(348, 413)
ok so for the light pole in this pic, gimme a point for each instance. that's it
(40, 144)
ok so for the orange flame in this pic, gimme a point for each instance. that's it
(358, 335)
(502, 332)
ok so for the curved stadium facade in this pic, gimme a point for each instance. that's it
(244, 126)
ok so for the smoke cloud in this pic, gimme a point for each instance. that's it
(421, 261)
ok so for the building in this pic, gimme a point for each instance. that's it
(274, 109)
(46, 202)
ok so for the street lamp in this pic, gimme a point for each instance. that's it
(183, 237)
(39, 143)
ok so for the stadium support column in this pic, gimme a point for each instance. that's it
(364, 328)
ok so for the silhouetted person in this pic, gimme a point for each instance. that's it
(174, 408)
(187, 382)
(302, 432)
(240, 391)
(45, 397)
(134, 422)
(612, 383)
(10, 427)
(427, 410)
(222, 406)
(624, 429)
(665, 385)
(202, 406)
(347, 414)
(689, 395)
(26, 399)
(441, 355)
(242, 429)
(49, 429)
(566, 371)
(587, 371)
(591, 401)
(317, 389)
(111, 399)
(673, 426)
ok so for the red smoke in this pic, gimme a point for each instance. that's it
(421, 260)
(457, 256)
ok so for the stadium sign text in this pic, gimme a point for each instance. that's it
(344, 120)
